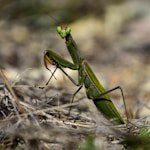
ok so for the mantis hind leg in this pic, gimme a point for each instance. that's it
(113, 89)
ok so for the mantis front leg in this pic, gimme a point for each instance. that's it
(60, 63)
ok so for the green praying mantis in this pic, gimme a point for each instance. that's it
(86, 77)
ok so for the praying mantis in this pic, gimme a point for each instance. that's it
(86, 77)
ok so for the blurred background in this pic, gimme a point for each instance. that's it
(113, 35)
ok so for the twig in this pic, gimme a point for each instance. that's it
(10, 89)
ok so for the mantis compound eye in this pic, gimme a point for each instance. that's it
(58, 29)
(68, 30)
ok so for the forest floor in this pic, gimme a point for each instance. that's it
(34, 116)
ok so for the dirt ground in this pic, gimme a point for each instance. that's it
(34, 116)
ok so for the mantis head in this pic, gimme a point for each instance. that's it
(63, 32)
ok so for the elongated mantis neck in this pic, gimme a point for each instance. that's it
(73, 49)
(65, 33)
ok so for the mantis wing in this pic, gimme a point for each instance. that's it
(102, 102)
